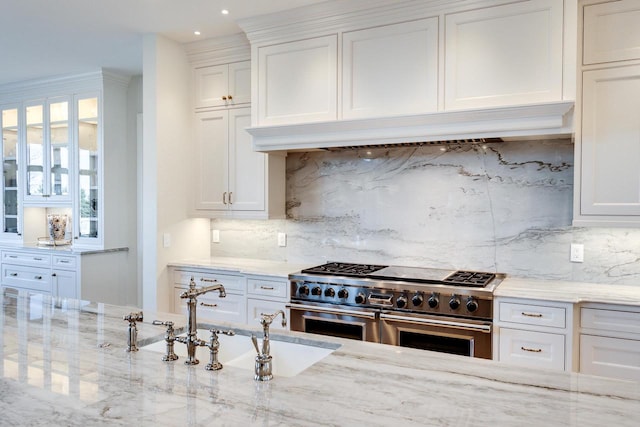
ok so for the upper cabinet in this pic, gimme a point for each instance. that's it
(407, 71)
(11, 206)
(223, 85)
(607, 168)
(504, 55)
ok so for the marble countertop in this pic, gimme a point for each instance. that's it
(63, 363)
(243, 266)
(63, 249)
(571, 292)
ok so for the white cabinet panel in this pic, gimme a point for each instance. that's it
(297, 81)
(610, 320)
(231, 283)
(240, 83)
(536, 315)
(610, 164)
(212, 156)
(610, 357)
(255, 307)
(34, 278)
(268, 288)
(504, 55)
(612, 31)
(535, 349)
(64, 283)
(222, 85)
(390, 70)
(247, 168)
(231, 308)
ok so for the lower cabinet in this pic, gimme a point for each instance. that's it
(247, 296)
(610, 341)
(534, 333)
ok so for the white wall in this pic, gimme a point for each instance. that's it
(166, 169)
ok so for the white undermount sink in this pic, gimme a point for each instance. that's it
(289, 358)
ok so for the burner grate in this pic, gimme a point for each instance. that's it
(469, 278)
(344, 269)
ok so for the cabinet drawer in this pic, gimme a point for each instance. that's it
(27, 277)
(64, 262)
(610, 320)
(267, 288)
(255, 307)
(534, 349)
(233, 284)
(611, 31)
(231, 308)
(536, 315)
(25, 258)
(610, 357)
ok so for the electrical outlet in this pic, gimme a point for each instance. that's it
(166, 240)
(577, 252)
(282, 239)
(215, 236)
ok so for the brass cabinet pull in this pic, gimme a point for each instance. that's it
(54, 275)
(13, 274)
(532, 350)
(13, 256)
(224, 197)
(37, 259)
(224, 98)
(267, 288)
(230, 97)
(230, 193)
(204, 304)
(531, 314)
(37, 277)
(203, 279)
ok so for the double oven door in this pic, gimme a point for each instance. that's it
(355, 323)
(437, 333)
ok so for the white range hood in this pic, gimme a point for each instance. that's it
(524, 121)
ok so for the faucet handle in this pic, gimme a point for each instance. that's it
(161, 323)
(133, 317)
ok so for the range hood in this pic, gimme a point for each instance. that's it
(521, 121)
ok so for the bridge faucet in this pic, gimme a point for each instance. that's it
(191, 295)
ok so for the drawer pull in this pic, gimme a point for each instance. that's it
(37, 277)
(202, 279)
(13, 274)
(13, 256)
(204, 304)
(531, 314)
(532, 350)
(267, 288)
(64, 261)
(37, 259)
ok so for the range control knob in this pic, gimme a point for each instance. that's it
(401, 301)
(454, 302)
(417, 300)
(472, 304)
(343, 293)
(329, 292)
(317, 291)
(360, 298)
(433, 300)
(303, 290)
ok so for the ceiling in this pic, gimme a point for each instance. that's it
(42, 38)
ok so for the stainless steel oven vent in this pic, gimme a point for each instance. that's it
(449, 142)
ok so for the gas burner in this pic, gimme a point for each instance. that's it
(344, 269)
(469, 278)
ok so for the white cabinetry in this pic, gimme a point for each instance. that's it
(607, 171)
(232, 179)
(534, 333)
(610, 341)
(504, 55)
(390, 70)
(297, 81)
(266, 295)
(222, 85)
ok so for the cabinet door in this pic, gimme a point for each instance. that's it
(88, 186)
(10, 208)
(212, 160)
(611, 31)
(64, 284)
(240, 82)
(610, 163)
(390, 70)
(610, 357)
(246, 167)
(504, 55)
(532, 349)
(297, 81)
(211, 85)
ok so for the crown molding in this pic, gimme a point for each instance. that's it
(219, 50)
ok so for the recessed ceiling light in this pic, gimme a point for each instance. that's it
(224, 12)
(197, 33)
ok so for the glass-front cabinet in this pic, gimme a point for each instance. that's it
(9, 131)
(48, 151)
(88, 167)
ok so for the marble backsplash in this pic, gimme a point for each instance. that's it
(504, 207)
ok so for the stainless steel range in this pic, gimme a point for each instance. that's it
(433, 309)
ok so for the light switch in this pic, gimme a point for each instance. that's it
(166, 240)
(282, 239)
(577, 252)
(215, 236)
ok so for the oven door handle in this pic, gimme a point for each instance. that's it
(436, 322)
(365, 314)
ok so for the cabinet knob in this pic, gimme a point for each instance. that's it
(53, 274)
(230, 97)
(38, 277)
(224, 98)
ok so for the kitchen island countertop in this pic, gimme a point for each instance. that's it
(64, 364)
(243, 266)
